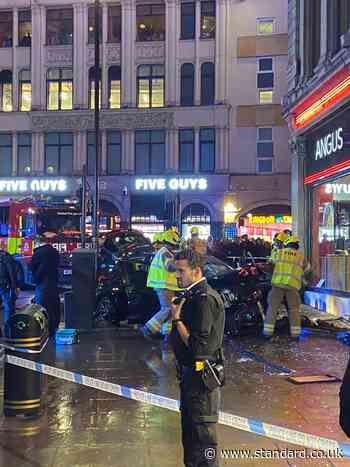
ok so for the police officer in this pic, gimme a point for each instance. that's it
(8, 284)
(197, 334)
(289, 266)
(162, 278)
(44, 266)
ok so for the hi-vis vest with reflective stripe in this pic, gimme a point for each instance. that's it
(288, 268)
(158, 276)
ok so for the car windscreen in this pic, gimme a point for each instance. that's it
(214, 268)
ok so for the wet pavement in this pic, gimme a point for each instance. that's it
(85, 427)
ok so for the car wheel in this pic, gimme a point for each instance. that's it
(105, 310)
(244, 320)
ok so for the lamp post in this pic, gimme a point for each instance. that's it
(97, 123)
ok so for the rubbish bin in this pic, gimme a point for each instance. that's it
(27, 329)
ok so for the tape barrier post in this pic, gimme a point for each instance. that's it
(234, 421)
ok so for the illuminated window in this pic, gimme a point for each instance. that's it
(25, 91)
(186, 150)
(59, 153)
(24, 153)
(59, 26)
(92, 88)
(188, 20)
(208, 20)
(114, 24)
(207, 83)
(114, 77)
(24, 28)
(264, 149)
(6, 91)
(60, 89)
(5, 154)
(265, 97)
(207, 149)
(187, 84)
(91, 24)
(265, 26)
(114, 152)
(150, 22)
(150, 85)
(6, 28)
(149, 151)
(265, 80)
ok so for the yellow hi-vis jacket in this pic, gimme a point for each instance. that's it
(289, 268)
(161, 274)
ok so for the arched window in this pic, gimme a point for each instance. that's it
(207, 83)
(187, 84)
(92, 87)
(6, 91)
(114, 77)
(25, 91)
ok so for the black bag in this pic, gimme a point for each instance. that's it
(213, 375)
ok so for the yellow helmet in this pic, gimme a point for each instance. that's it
(195, 230)
(157, 237)
(281, 237)
(291, 239)
(171, 236)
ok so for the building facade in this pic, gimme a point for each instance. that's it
(316, 108)
(190, 94)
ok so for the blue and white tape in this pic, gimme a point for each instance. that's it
(234, 421)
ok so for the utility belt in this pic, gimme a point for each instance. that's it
(212, 372)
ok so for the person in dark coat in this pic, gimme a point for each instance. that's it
(44, 266)
(9, 288)
(344, 414)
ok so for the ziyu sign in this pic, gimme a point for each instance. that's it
(34, 186)
(329, 144)
(174, 184)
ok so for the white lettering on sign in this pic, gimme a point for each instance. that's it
(330, 144)
(337, 188)
(34, 185)
(161, 184)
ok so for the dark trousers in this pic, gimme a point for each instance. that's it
(199, 415)
(48, 297)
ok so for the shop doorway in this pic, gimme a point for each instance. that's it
(196, 215)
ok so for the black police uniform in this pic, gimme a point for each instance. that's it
(204, 317)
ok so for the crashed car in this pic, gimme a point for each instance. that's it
(122, 293)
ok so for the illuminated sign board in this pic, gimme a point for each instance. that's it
(279, 219)
(173, 184)
(329, 144)
(33, 186)
(337, 189)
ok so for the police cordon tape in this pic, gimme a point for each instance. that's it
(234, 421)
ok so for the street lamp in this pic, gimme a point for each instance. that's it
(97, 123)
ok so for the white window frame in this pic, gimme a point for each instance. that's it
(265, 20)
(258, 71)
(258, 140)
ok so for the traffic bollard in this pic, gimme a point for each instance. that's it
(27, 331)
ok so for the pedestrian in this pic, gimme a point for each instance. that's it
(9, 288)
(289, 267)
(44, 266)
(198, 321)
(162, 278)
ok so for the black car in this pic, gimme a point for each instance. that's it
(122, 292)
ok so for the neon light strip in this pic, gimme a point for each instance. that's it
(327, 172)
(326, 101)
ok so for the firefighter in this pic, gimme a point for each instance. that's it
(289, 266)
(162, 278)
(278, 244)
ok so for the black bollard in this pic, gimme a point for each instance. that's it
(26, 329)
